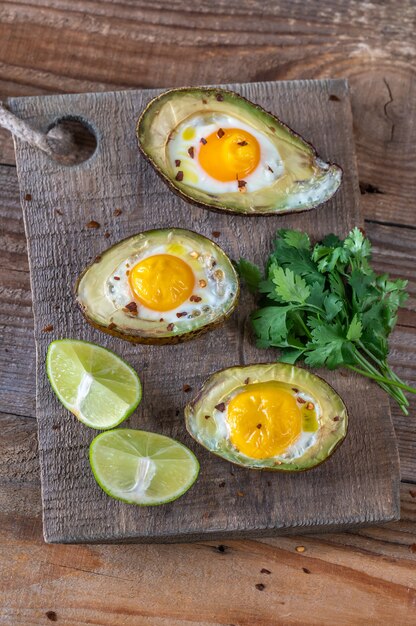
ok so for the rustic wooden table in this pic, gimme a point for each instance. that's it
(361, 577)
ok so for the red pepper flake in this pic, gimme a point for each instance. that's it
(337, 418)
(265, 571)
(179, 176)
(117, 212)
(181, 314)
(187, 388)
(116, 277)
(132, 307)
(216, 233)
(28, 197)
(301, 400)
(191, 152)
(203, 141)
(170, 327)
(111, 326)
(242, 143)
(219, 97)
(306, 570)
(220, 133)
(107, 234)
(161, 319)
(177, 162)
(260, 586)
(220, 407)
(272, 128)
(258, 426)
(207, 417)
(412, 493)
(241, 183)
(47, 328)
(127, 272)
(247, 380)
(295, 389)
(97, 258)
(310, 406)
(93, 224)
(195, 299)
(202, 283)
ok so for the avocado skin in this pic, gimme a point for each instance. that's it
(218, 208)
(244, 369)
(160, 341)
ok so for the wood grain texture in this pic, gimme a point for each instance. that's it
(359, 485)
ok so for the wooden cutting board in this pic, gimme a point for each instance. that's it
(359, 485)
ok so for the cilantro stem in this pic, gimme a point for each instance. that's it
(382, 379)
(385, 384)
(302, 323)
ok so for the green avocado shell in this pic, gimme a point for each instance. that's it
(309, 181)
(204, 425)
(99, 311)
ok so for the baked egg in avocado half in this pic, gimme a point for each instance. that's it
(160, 286)
(220, 151)
(270, 416)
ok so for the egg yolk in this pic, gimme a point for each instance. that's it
(229, 154)
(264, 420)
(162, 282)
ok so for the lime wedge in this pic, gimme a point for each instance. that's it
(142, 468)
(95, 384)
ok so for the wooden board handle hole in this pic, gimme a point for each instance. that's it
(72, 139)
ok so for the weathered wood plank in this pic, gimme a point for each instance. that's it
(202, 584)
(74, 508)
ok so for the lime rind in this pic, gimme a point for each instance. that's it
(142, 478)
(83, 358)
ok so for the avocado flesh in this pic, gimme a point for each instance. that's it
(306, 182)
(100, 310)
(206, 426)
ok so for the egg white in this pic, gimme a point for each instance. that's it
(304, 441)
(205, 267)
(269, 169)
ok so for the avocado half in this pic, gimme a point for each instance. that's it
(106, 299)
(324, 415)
(304, 180)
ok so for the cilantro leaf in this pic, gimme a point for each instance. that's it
(289, 286)
(295, 239)
(290, 355)
(332, 305)
(317, 295)
(250, 273)
(328, 258)
(355, 329)
(325, 347)
(270, 324)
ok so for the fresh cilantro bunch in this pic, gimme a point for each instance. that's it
(326, 305)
